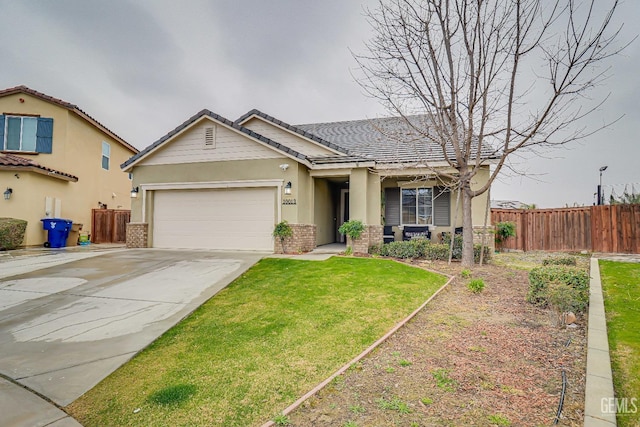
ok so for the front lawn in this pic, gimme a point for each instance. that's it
(261, 343)
(621, 287)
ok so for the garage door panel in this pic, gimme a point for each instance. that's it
(214, 219)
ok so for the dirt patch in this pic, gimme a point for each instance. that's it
(467, 359)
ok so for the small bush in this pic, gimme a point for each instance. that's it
(375, 249)
(11, 233)
(466, 273)
(476, 285)
(544, 283)
(504, 230)
(564, 260)
(352, 228)
(437, 252)
(564, 298)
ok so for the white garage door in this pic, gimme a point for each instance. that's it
(214, 219)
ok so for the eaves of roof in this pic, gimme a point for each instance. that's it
(10, 161)
(206, 113)
(245, 117)
(71, 107)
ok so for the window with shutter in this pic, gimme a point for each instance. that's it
(106, 155)
(23, 133)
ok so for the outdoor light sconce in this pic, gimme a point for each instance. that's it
(287, 188)
(134, 192)
(7, 193)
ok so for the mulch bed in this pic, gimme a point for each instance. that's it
(467, 359)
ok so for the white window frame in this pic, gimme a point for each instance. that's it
(402, 223)
(6, 133)
(108, 155)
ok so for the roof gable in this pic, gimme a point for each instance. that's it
(208, 115)
(337, 149)
(69, 106)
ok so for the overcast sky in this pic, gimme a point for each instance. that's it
(142, 67)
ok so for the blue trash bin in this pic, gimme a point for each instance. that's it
(58, 231)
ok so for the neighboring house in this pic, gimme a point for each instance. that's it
(214, 183)
(56, 161)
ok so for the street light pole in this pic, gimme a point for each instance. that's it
(600, 195)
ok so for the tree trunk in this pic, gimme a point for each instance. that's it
(467, 226)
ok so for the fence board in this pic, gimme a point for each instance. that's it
(109, 225)
(609, 228)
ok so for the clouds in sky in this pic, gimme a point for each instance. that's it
(142, 67)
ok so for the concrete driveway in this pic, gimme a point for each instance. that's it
(64, 328)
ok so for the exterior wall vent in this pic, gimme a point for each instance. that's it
(210, 137)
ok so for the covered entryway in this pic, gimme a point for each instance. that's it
(226, 219)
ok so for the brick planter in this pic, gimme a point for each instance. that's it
(372, 235)
(303, 240)
(137, 235)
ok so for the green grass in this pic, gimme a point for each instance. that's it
(621, 287)
(253, 349)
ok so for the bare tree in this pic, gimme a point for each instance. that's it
(489, 78)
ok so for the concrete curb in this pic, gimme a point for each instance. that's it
(599, 387)
(359, 357)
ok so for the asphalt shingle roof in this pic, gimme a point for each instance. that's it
(385, 140)
(11, 161)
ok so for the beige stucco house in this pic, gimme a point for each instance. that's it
(56, 161)
(213, 183)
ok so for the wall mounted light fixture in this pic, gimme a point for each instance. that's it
(134, 192)
(287, 188)
(7, 193)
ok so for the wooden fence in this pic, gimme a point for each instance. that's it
(109, 225)
(609, 228)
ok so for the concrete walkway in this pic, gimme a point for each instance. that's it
(599, 387)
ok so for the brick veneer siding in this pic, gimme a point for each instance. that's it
(137, 235)
(372, 235)
(303, 240)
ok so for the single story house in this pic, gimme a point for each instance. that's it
(220, 184)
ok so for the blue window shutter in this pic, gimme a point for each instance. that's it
(44, 135)
(1, 132)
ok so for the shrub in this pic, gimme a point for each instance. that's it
(563, 260)
(476, 285)
(565, 298)
(437, 252)
(376, 249)
(12, 232)
(281, 231)
(544, 285)
(504, 230)
(352, 228)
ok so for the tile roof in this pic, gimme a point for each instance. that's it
(294, 129)
(13, 162)
(385, 140)
(234, 125)
(69, 106)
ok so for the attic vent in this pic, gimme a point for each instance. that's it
(210, 137)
